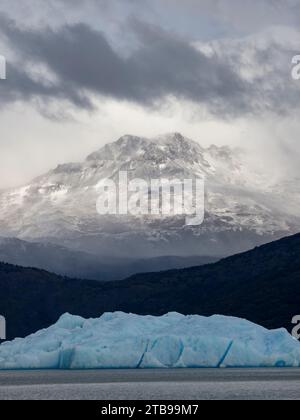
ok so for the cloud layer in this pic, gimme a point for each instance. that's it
(85, 64)
(217, 70)
(76, 62)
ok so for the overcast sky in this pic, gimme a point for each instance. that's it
(82, 73)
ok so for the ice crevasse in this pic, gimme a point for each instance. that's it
(119, 340)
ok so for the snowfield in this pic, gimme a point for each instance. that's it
(119, 340)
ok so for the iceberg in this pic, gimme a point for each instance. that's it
(119, 341)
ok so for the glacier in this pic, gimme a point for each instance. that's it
(119, 341)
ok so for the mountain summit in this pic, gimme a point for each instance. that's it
(242, 210)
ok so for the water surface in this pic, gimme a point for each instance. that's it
(185, 384)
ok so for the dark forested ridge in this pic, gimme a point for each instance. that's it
(262, 285)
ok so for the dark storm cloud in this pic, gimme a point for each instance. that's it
(85, 64)
(19, 86)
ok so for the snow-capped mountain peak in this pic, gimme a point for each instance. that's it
(130, 146)
(60, 206)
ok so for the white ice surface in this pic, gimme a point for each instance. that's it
(118, 340)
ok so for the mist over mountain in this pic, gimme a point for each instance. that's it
(77, 264)
(243, 207)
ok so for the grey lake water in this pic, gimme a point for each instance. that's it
(185, 384)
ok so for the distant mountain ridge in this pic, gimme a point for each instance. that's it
(71, 263)
(243, 209)
(262, 285)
